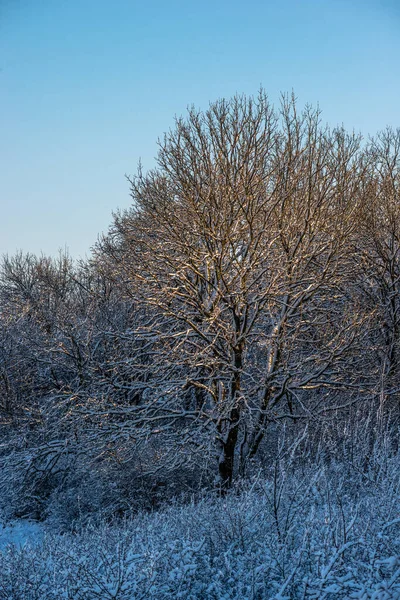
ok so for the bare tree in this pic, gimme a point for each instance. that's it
(378, 246)
(235, 249)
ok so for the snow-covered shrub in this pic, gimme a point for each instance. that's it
(301, 533)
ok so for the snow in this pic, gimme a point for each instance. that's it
(20, 533)
(222, 549)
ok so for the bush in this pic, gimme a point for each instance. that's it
(300, 534)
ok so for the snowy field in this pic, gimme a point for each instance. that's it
(20, 534)
(300, 538)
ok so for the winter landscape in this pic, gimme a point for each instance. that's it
(207, 405)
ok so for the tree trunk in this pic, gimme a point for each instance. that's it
(227, 458)
(229, 428)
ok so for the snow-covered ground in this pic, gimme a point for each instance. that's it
(20, 533)
(306, 538)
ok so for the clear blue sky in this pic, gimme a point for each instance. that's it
(87, 87)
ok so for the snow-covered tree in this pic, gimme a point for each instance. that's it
(235, 247)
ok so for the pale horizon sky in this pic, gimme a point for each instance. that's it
(87, 87)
